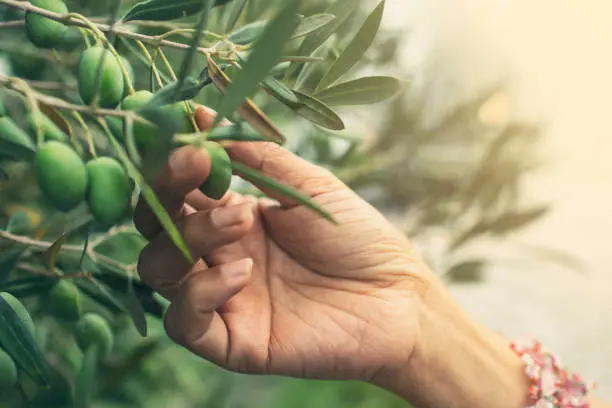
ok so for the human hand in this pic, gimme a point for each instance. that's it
(277, 289)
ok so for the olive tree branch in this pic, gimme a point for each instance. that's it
(71, 20)
(10, 82)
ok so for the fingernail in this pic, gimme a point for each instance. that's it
(238, 269)
(224, 217)
(179, 160)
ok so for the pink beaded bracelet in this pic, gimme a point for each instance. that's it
(551, 385)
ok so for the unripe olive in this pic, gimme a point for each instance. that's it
(220, 176)
(8, 371)
(20, 310)
(63, 301)
(61, 175)
(93, 329)
(109, 191)
(143, 132)
(110, 84)
(181, 114)
(42, 31)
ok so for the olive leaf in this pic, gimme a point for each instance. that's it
(165, 10)
(234, 14)
(317, 112)
(17, 341)
(266, 52)
(467, 271)
(275, 88)
(50, 255)
(311, 24)
(205, 7)
(362, 91)
(356, 49)
(264, 182)
(175, 92)
(247, 110)
(237, 132)
(14, 142)
(123, 291)
(248, 33)
(280, 91)
(341, 9)
(311, 74)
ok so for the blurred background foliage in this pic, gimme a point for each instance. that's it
(446, 184)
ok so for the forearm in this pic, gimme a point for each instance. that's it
(458, 363)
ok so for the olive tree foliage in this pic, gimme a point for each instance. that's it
(93, 98)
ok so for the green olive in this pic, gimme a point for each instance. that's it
(220, 176)
(93, 329)
(61, 175)
(111, 84)
(109, 191)
(63, 301)
(42, 31)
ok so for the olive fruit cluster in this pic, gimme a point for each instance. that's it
(65, 180)
(91, 330)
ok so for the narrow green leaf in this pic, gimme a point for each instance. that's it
(17, 341)
(311, 74)
(279, 90)
(124, 292)
(50, 255)
(266, 52)
(95, 290)
(467, 271)
(237, 132)
(362, 91)
(151, 199)
(317, 112)
(165, 10)
(514, 220)
(356, 49)
(247, 110)
(85, 385)
(234, 14)
(341, 9)
(176, 92)
(14, 142)
(205, 7)
(312, 23)
(264, 182)
(248, 33)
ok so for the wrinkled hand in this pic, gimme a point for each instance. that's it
(277, 289)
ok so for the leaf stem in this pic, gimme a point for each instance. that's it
(87, 133)
(151, 61)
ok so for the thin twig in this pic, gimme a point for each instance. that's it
(72, 21)
(61, 104)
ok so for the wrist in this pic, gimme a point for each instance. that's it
(457, 363)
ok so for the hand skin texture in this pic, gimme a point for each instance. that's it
(278, 290)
